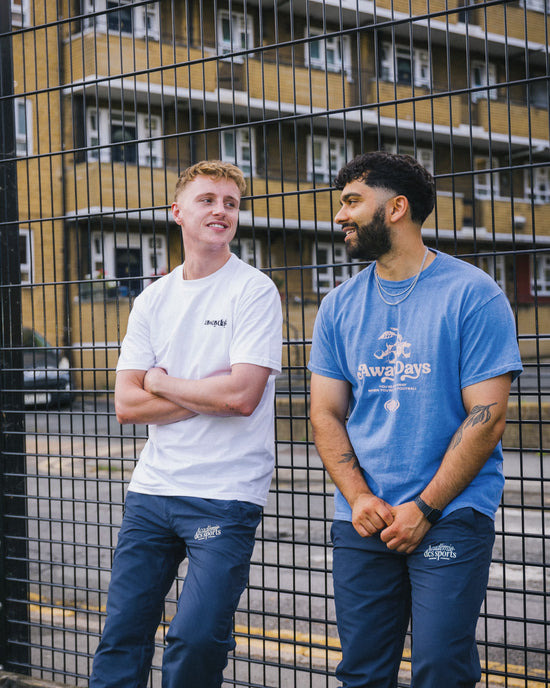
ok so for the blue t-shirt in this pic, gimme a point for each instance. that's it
(407, 365)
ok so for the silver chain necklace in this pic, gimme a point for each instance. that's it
(406, 292)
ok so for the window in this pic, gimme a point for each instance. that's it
(402, 65)
(539, 177)
(19, 13)
(536, 5)
(483, 74)
(496, 267)
(326, 157)
(238, 147)
(23, 127)
(423, 155)
(248, 250)
(235, 32)
(538, 94)
(332, 53)
(128, 262)
(486, 183)
(26, 255)
(142, 21)
(135, 137)
(540, 280)
(334, 267)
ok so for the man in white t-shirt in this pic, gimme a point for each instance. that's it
(198, 365)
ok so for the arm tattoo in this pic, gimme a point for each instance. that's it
(479, 414)
(349, 457)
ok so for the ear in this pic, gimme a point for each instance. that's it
(176, 213)
(399, 207)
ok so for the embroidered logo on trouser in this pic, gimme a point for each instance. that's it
(208, 533)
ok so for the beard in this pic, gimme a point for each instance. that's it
(372, 240)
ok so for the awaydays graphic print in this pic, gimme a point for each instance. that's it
(393, 365)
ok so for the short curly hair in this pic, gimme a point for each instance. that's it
(216, 169)
(400, 174)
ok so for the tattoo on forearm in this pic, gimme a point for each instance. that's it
(349, 457)
(479, 414)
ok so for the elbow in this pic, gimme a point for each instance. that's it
(243, 405)
(123, 415)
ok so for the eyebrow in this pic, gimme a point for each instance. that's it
(351, 194)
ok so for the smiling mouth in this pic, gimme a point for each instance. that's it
(348, 231)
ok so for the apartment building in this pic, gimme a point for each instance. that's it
(114, 97)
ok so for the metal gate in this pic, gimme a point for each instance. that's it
(102, 103)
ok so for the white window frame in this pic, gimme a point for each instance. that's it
(23, 138)
(483, 74)
(248, 250)
(332, 53)
(98, 133)
(420, 67)
(26, 266)
(540, 192)
(145, 18)
(486, 184)
(536, 5)
(154, 254)
(327, 278)
(543, 276)
(496, 268)
(20, 13)
(239, 147)
(423, 155)
(334, 153)
(241, 29)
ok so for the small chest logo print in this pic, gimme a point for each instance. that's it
(208, 533)
(440, 552)
(216, 323)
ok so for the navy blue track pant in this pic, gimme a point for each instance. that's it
(439, 587)
(157, 533)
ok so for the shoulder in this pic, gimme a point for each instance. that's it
(251, 275)
(465, 278)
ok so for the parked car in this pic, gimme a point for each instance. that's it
(46, 372)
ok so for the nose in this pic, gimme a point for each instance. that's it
(341, 215)
(218, 207)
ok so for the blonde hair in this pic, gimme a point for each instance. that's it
(216, 169)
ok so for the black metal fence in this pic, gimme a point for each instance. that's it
(102, 102)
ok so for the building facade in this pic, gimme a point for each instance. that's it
(113, 98)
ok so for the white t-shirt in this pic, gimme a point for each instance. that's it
(196, 329)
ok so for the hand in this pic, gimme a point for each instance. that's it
(370, 514)
(407, 530)
(152, 378)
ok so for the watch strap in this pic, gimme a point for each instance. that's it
(433, 515)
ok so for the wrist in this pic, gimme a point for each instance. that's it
(430, 513)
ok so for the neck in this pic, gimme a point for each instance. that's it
(397, 266)
(197, 267)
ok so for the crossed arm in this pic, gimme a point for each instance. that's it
(154, 397)
(402, 527)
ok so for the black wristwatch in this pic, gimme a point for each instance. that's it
(433, 515)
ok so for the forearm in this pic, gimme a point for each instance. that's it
(466, 455)
(135, 405)
(338, 456)
(235, 394)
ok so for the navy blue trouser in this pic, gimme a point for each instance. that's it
(157, 533)
(439, 587)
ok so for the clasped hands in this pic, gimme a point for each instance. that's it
(401, 527)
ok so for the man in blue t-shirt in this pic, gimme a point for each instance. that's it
(412, 362)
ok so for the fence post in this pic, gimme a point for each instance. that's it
(14, 594)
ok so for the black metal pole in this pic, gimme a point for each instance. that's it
(14, 593)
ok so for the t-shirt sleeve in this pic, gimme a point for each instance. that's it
(489, 344)
(323, 358)
(135, 351)
(258, 331)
